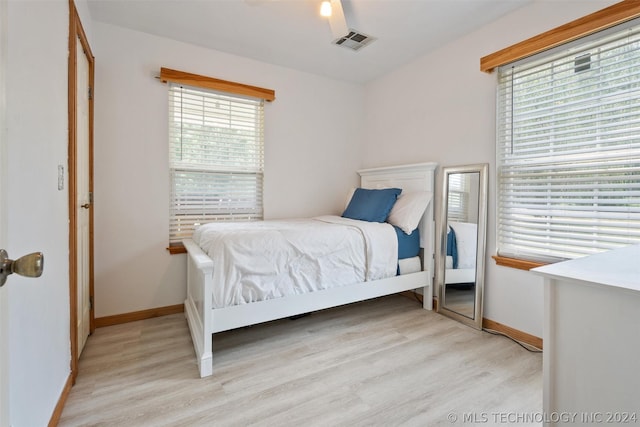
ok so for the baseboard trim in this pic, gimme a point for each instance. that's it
(118, 319)
(57, 411)
(517, 335)
(491, 324)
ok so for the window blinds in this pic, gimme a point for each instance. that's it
(216, 156)
(458, 198)
(568, 150)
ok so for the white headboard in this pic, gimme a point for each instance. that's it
(413, 177)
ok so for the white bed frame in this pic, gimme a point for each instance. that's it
(454, 276)
(204, 320)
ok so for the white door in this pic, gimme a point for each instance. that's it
(4, 315)
(83, 197)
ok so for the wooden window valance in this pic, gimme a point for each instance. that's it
(196, 80)
(582, 27)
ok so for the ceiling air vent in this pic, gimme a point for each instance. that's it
(355, 40)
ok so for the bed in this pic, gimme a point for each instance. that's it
(460, 263)
(209, 311)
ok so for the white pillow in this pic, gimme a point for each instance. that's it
(448, 262)
(466, 242)
(408, 210)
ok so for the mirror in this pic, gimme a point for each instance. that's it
(460, 254)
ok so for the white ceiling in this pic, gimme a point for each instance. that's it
(292, 33)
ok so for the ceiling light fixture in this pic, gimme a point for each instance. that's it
(325, 8)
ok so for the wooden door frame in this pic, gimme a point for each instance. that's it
(76, 31)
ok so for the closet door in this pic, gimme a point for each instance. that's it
(4, 315)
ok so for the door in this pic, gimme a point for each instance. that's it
(83, 195)
(4, 308)
(81, 187)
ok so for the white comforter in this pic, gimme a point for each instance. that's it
(254, 261)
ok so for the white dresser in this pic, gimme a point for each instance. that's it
(591, 359)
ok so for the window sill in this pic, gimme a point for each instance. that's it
(517, 263)
(177, 249)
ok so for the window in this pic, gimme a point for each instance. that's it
(458, 198)
(216, 156)
(568, 149)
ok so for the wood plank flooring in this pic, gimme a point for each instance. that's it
(384, 362)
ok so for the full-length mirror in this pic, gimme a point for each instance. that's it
(460, 252)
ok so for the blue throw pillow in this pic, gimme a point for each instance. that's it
(408, 244)
(371, 205)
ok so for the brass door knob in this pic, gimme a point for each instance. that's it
(29, 265)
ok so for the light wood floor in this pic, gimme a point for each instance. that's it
(384, 362)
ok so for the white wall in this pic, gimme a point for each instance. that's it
(312, 150)
(82, 7)
(38, 218)
(441, 108)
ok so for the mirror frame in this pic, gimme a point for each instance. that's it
(441, 248)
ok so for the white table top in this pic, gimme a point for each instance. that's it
(617, 268)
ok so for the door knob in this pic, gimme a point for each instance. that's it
(29, 265)
(85, 206)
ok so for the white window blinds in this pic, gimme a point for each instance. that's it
(568, 150)
(458, 198)
(216, 156)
